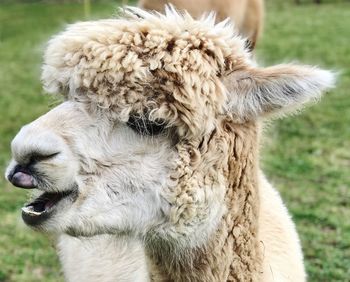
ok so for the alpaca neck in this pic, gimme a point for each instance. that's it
(232, 252)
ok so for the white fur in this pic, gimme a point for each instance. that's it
(102, 258)
(113, 258)
(105, 256)
(135, 168)
(282, 255)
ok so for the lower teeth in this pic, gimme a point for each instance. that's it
(30, 210)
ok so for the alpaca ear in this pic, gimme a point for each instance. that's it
(274, 90)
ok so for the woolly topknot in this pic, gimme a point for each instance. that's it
(168, 65)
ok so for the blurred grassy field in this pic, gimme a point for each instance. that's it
(307, 157)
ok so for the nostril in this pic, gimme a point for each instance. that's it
(22, 179)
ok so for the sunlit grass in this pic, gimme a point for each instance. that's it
(307, 156)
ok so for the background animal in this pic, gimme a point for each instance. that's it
(158, 142)
(248, 15)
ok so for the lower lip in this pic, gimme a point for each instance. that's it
(35, 220)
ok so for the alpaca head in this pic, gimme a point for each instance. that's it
(141, 144)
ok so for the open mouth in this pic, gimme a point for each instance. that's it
(42, 207)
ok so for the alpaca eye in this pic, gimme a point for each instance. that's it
(144, 126)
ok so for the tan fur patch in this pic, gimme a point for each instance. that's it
(146, 64)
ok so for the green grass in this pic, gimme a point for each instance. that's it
(307, 156)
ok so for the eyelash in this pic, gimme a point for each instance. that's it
(144, 126)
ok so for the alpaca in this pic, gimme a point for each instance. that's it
(246, 14)
(152, 159)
